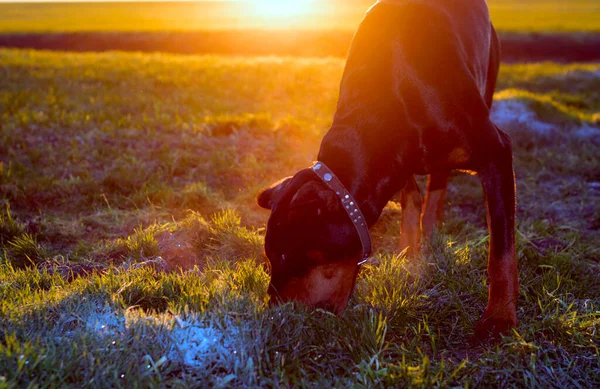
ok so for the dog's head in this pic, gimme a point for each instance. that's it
(311, 244)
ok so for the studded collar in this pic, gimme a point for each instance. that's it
(349, 205)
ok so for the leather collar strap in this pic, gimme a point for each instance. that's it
(350, 206)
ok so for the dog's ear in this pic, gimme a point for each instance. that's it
(268, 196)
(314, 196)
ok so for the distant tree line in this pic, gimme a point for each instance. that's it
(515, 47)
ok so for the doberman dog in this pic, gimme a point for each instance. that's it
(415, 98)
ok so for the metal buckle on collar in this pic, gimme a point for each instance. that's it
(349, 205)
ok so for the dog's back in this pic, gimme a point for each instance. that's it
(446, 24)
(418, 73)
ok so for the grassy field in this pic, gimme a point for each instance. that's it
(120, 165)
(508, 15)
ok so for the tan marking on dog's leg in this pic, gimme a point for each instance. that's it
(410, 227)
(435, 198)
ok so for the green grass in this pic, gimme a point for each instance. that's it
(508, 16)
(109, 159)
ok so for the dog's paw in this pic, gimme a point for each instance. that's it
(495, 323)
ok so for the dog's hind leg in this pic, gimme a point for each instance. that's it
(435, 197)
(497, 178)
(410, 226)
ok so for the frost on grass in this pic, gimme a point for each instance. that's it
(516, 115)
(588, 132)
(513, 113)
(587, 75)
(105, 322)
(189, 342)
(194, 344)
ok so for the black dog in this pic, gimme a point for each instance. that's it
(415, 98)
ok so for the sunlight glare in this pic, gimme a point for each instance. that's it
(281, 8)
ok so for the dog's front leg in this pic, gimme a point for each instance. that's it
(410, 227)
(497, 177)
(435, 197)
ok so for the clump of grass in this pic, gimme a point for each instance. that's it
(23, 251)
(141, 244)
(226, 125)
(190, 242)
(392, 287)
(10, 228)
(197, 196)
(229, 239)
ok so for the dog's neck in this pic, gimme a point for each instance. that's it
(367, 174)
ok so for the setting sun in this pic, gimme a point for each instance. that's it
(281, 9)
